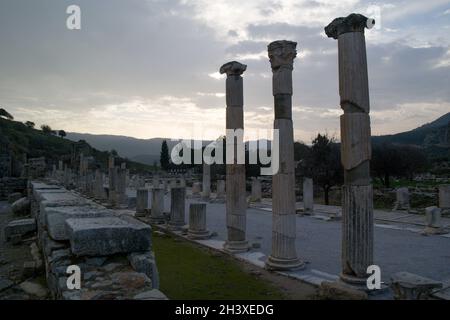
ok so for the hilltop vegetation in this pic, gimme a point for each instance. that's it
(19, 139)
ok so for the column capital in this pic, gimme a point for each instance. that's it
(282, 54)
(233, 68)
(354, 22)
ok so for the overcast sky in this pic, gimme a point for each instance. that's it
(149, 68)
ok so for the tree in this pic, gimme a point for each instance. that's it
(5, 114)
(46, 129)
(62, 133)
(114, 153)
(389, 160)
(164, 156)
(30, 124)
(323, 163)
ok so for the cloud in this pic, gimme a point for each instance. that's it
(150, 68)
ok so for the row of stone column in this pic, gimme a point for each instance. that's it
(357, 225)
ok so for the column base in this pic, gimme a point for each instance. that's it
(236, 246)
(273, 263)
(158, 220)
(176, 226)
(360, 284)
(199, 235)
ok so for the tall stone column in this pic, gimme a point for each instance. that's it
(206, 186)
(284, 254)
(357, 194)
(236, 200)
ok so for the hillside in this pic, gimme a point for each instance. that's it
(18, 140)
(435, 133)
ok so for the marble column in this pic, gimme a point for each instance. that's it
(206, 185)
(196, 188)
(444, 198)
(157, 212)
(308, 196)
(99, 191)
(357, 194)
(142, 195)
(284, 254)
(221, 189)
(236, 199)
(256, 190)
(121, 187)
(197, 221)
(402, 199)
(177, 207)
(112, 181)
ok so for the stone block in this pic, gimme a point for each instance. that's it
(21, 207)
(20, 228)
(409, 286)
(145, 263)
(55, 218)
(13, 197)
(107, 236)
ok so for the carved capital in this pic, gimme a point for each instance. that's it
(282, 54)
(233, 68)
(352, 23)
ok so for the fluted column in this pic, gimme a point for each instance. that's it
(177, 207)
(357, 194)
(284, 255)
(236, 203)
(197, 221)
(157, 211)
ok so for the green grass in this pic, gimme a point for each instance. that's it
(188, 271)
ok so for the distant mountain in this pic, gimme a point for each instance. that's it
(434, 137)
(435, 133)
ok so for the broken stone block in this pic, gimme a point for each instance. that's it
(107, 235)
(145, 263)
(29, 269)
(13, 197)
(409, 286)
(20, 228)
(34, 289)
(131, 280)
(21, 207)
(339, 291)
(150, 295)
(56, 217)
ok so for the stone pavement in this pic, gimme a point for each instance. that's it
(399, 245)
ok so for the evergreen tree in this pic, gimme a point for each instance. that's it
(164, 157)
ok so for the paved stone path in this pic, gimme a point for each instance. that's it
(398, 246)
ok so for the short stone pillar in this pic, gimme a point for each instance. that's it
(433, 221)
(177, 207)
(402, 199)
(197, 221)
(357, 193)
(206, 185)
(99, 190)
(121, 187)
(196, 188)
(308, 196)
(142, 197)
(256, 190)
(157, 212)
(112, 182)
(236, 198)
(284, 254)
(221, 193)
(444, 198)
